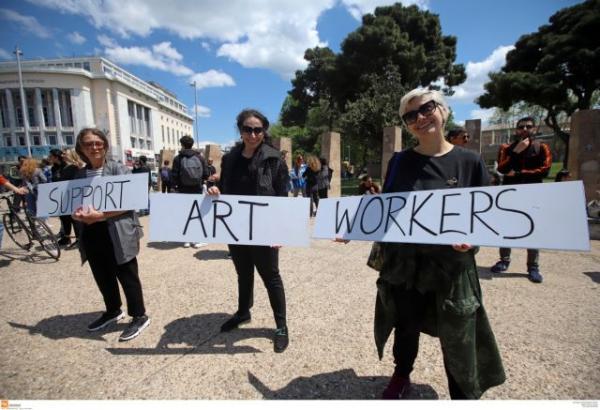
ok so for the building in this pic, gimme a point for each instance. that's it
(65, 95)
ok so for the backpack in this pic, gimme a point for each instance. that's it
(191, 171)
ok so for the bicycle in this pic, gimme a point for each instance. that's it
(25, 229)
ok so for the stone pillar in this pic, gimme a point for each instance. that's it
(214, 152)
(330, 150)
(12, 119)
(57, 119)
(285, 143)
(392, 142)
(473, 128)
(39, 114)
(584, 151)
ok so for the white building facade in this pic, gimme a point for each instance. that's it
(65, 95)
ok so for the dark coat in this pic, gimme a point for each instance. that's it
(267, 169)
(176, 169)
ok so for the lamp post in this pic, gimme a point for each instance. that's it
(193, 84)
(25, 113)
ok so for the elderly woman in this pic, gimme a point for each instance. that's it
(254, 167)
(109, 241)
(434, 288)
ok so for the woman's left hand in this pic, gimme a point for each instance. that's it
(88, 215)
(462, 247)
(276, 246)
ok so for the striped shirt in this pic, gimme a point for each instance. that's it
(93, 172)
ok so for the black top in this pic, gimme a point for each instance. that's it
(242, 182)
(458, 168)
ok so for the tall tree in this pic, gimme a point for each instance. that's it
(557, 67)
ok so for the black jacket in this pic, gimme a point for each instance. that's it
(267, 168)
(176, 170)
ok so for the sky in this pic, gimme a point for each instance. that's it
(245, 53)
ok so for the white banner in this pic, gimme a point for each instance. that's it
(109, 193)
(548, 216)
(231, 219)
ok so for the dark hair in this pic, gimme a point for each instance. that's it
(455, 132)
(562, 174)
(166, 162)
(526, 119)
(250, 112)
(56, 153)
(143, 159)
(186, 142)
(83, 133)
(365, 178)
(324, 161)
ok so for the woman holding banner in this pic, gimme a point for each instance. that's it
(109, 241)
(254, 167)
(434, 288)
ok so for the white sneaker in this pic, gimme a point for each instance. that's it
(199, 245)
(186, 245)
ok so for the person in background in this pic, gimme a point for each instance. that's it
(324, 178)
(142, 168)
(525, 161)
(254, 167)
(297, 176)
(46, 168)
(31, 176)
(5, 183)
(66, 222)
(212, 174)
(110, 241)
(434, 288)
(563, 175)
(165, 177)
(458, 136)
(311, 176)
(368, 187)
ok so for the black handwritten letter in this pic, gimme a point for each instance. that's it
(196, 208)
(364, 211)
(222, 218)
(390, 212)
(97, 188)
(75, 193)
(415, 212)
(121, 191)
(338, 222)
(53, 200)
(251, 214)
(109, 188)
(474, 212)
(516, 211)
(444, 214)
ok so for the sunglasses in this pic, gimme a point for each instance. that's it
(522, 127)
(93, 144)
(250, 130)
(425, 110)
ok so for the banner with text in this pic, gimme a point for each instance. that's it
(549, 216)
(231, 219)
(108, 193)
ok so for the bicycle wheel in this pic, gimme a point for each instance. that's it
(45, 237)
(18, 231)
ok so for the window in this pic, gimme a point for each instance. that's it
(66, 115)
(52, 140)
(36, 139)
(8, 140)
(21, 139)
(132, 142)
(68, 139)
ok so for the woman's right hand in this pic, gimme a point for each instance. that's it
(213, 190)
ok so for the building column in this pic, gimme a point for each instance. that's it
(38, 113)
(392, 142)
(330, 150)
(12, 119)
(584, 151)
(285, 144)
(58, 120)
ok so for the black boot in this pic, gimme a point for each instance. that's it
(281, 340)
(236, 320)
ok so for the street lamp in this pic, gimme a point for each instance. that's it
(25, 115)
(193, 84)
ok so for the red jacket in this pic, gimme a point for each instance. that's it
(3, 180)
(530, 165)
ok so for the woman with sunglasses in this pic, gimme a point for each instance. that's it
(110, 242)
(434, 288)
(254, 167)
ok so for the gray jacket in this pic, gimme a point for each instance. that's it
(125, 230)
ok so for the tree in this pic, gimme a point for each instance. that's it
(557, 68)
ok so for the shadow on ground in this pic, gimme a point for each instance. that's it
(165, 246)
(200, 334)
(339, 385)
(25, 256)
(208, 254)
(487, 274)
(67, 326)
(594, 276)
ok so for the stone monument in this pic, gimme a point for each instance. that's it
(285, 143)
(392, 142)
(214, 152)
(584, 151)
(330, 150)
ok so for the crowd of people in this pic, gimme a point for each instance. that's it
(421, 288)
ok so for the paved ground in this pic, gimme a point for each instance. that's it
(548, 334)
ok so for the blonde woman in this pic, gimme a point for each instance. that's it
(32, 176)
(311, 175)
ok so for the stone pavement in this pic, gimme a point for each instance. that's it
(548, 334)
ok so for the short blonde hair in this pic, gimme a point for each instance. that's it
(421, 92)
(28, 167)
(313, 163)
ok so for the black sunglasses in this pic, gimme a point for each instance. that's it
(250, 130)
(522, 127)
(425, 110)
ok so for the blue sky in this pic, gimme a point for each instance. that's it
(244, 56)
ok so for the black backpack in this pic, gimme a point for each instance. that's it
(191, 171)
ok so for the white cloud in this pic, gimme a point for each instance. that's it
(76, 38)
(203, 112)
(145, 57)
(357, 8)
(166, 50)
(212, 78)
(483, 114)
(5, 55)
(205, 45)
(477, 75)
(29, 23)
(106, 41)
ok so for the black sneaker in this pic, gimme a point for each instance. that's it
(73, 245)
(64, 241)
(136, 326)
(500, 266)
(235, 321)
(534, 275)
(105, 320)
(281, 340)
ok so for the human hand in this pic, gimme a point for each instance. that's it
(88, 215)
(213, 190)
(522, 145)
(462, 247)
(21, 191)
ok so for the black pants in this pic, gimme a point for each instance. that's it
(313, 193)
(107, 274)
(165, 187)
(66, 223)
(266, 261)
(411, 309)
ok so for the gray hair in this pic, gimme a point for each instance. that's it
(420, 92)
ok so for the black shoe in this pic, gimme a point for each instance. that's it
(534, 275)
(136, 326)
(500, 266)
(105, 320)
(73, 245)
(64, 241)
(281, 340)
(235, 321)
